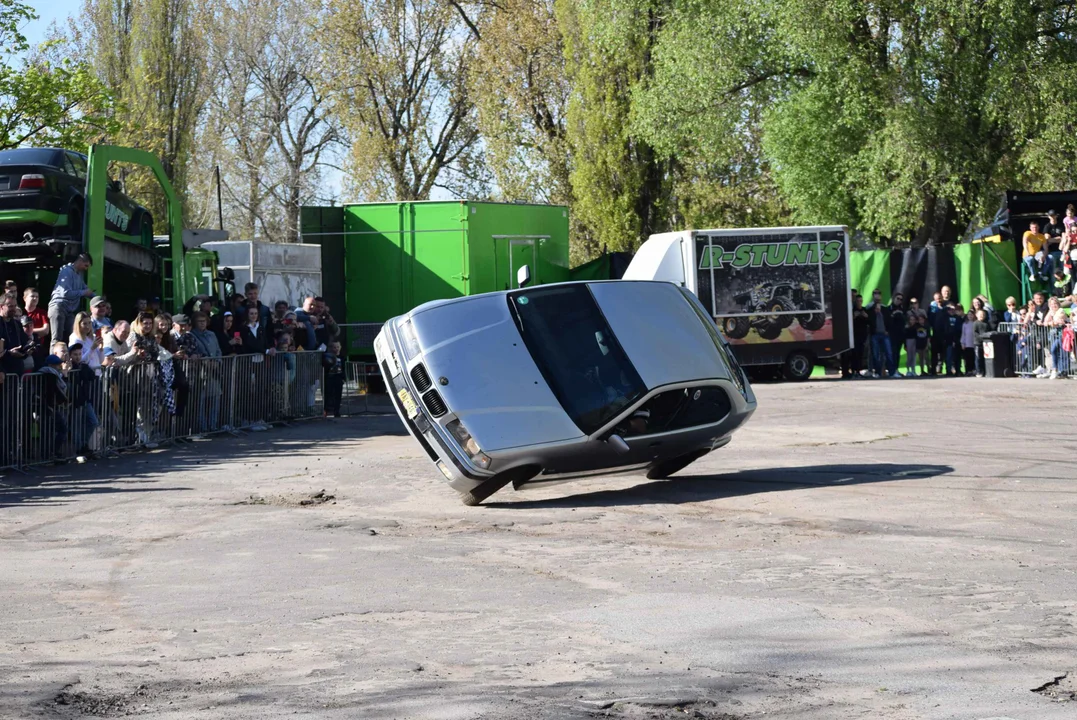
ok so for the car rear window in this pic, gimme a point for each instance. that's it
(577, 353)
(29, 156)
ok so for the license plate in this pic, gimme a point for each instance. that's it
(409, 402)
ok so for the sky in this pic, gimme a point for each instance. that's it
(49, 11)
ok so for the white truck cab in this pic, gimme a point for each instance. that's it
(780, 295)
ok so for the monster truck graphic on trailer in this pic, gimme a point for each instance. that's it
(790, 285)
(774, 302)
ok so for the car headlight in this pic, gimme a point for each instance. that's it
(408, 342)
(468, 444)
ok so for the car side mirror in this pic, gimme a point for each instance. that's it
(618, 443)
(523, 276)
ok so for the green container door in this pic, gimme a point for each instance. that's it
(503, 237)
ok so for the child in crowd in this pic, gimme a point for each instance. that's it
(922, 338)
(980, 328)
(912, 323)
(968, 341)
(334, 379)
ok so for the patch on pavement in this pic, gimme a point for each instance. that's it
(655, 709)
(294, 500)
(1063, 688)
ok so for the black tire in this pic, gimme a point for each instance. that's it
(736, 327)
(664, 468)
(483, 491)
(145, 230)
(74, 223)
(798, 366)
(781, 304)
(815, 320)
(769, 330)
(517, 476)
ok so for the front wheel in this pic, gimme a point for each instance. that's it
(769, 331)
(736, 327)
(664, 468)
(798, 366)
(517, 476)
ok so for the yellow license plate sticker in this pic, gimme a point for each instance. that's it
(409, 402)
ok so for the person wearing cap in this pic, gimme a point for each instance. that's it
(99, 308)
(81, 383)
(181, 336)
(68, 292)
(55, 396)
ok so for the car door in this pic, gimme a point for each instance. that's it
(672, 422)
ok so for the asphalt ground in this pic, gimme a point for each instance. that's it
(863, 549)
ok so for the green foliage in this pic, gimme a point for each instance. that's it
(902, 119)
(47, 98)
(621, 186)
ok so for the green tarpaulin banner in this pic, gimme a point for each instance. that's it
(870, 269)
(989, 269)
(597, 269)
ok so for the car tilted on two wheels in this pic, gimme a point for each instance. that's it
(561, 381)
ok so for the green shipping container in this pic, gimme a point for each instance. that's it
(387, 258)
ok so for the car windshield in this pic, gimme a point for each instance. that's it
(577, 353)
(28, 156)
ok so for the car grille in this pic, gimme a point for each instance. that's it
(421, 378)
(434, 403)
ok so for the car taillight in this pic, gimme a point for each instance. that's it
(32, 182)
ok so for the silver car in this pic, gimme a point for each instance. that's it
(559, 381)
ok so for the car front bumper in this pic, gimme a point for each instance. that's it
(457, 469)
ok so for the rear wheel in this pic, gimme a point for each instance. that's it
(798, 366)
(664, 468)
(74, 223)
(814, 321)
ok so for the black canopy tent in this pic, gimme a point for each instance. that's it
(1019, 208)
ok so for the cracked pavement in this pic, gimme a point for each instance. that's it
(888, 549)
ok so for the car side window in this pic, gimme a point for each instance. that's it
(676, 410)
(75, 165)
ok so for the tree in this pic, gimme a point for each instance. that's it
(521, 95)
(150, 54)
(45, 97)
(267, 123)
(620, 184)
(903, 119)
(397, 71)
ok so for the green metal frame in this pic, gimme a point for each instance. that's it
(94, 229)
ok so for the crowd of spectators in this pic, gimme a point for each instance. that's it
(156, 370)
(946, 339)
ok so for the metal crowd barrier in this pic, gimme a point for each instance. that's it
(45, 417)
(1036, 350)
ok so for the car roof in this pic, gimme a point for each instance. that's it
(31, 156)
(467, 298)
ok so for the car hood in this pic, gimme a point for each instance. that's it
(493, 386)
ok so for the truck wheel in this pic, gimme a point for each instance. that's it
(815, 320)
(664, 468)
(736, 327)
(798, 366)
(769, 330)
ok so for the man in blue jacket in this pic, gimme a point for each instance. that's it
(879, 327)
(66, 297)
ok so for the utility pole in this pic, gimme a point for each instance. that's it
(220, 210)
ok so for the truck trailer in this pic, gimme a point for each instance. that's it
(380, 260)
(781, 296)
